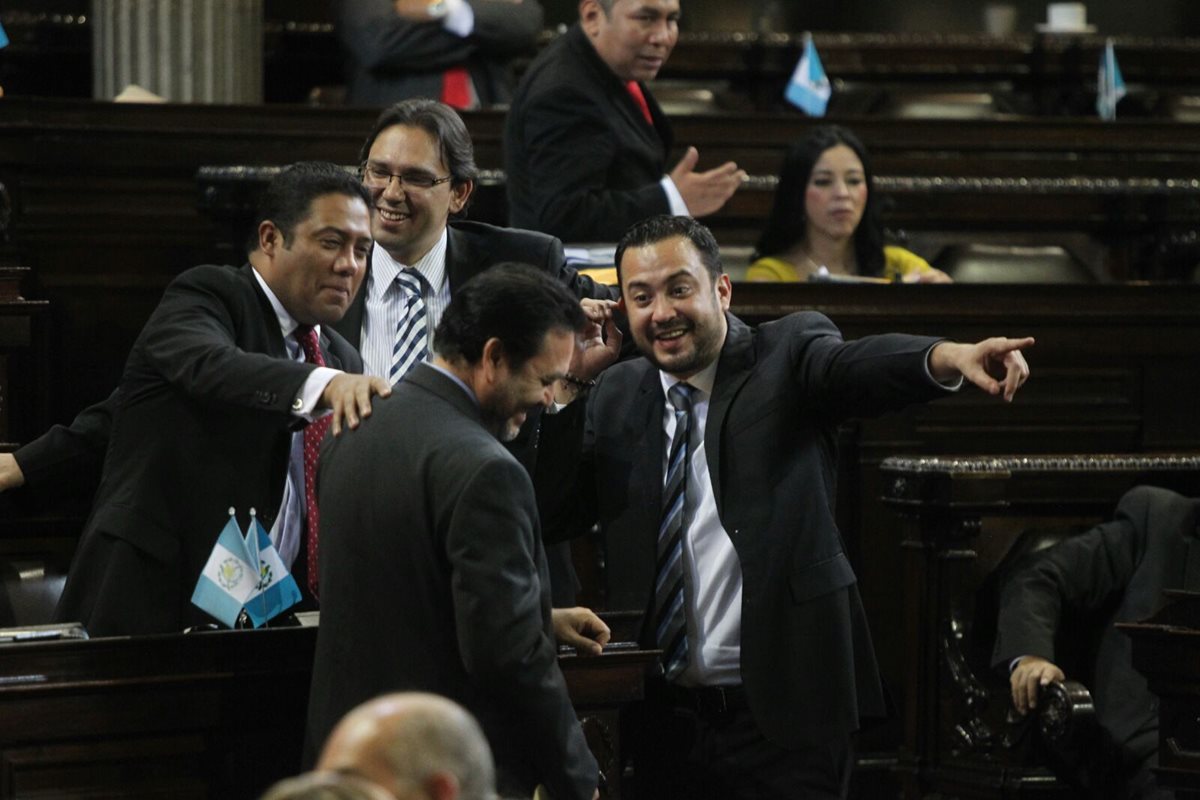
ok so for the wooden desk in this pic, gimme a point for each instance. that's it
(207, 715)
(959, 516)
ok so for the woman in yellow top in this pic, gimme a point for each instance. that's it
(825, 220)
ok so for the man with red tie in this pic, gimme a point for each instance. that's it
(585, 143)
(456, 51)
(231, 368)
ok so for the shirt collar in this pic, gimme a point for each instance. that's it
(432, 266)
(704, 380)
(287, 323)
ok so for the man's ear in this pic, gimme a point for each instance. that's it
(459, 195)
(494, 359)
(269, 237)
(590, 13)
(441, 786)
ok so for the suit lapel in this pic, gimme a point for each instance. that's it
(462, 258)
(733, 369)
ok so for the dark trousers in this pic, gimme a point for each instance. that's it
(699, 745)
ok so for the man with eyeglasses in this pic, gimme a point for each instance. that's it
(418, 164)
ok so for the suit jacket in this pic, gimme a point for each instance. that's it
(581, 162)
(807, 662)
(440, 586)
(201, 422)
(391, 59)
(1119, 569)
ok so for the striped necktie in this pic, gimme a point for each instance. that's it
(411, 332)
(670, 623)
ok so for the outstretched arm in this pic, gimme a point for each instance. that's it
(995, 365)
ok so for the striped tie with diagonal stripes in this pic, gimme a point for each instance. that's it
(411, 332)
(670, 623)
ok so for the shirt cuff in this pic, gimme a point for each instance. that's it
(460, 18)
(674, 198)
(951, 385)
(311, 391)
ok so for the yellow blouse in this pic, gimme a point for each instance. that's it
(897, 262)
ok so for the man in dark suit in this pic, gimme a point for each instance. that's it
(453, 563)
(1118, 569)
(585, 143)
(214, 388)
(734, 554)
(458, 51)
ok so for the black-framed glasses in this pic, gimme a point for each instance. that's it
(375, 175)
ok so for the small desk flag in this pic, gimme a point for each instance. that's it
(1110, 85)
(809, 88)
(245, 572)
(277, 589)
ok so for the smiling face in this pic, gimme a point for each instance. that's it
(516, 392)
(635, 37)
(676, 308)
(408, 221)
(317, 270)
(836, 195)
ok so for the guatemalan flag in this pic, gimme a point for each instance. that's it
(3, 37)
(277, 590)
(809, 88)
(1110, 85)
(244, 572)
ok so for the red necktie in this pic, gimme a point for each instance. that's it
(635, 92)
(456, 87)
(313, 434)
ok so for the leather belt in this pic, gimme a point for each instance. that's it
(707, 700)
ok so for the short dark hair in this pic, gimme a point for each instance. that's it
(438, 120)
(656, 229)
(786, 224)
(288, 198)
(515, 303)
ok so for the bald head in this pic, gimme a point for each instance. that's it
(415, 745)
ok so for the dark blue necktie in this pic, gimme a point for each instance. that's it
(670, 622)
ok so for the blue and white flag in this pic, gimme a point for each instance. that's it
(809, 88)
(277, 590)
(3, 37)
(228, 579)
(1110, 85)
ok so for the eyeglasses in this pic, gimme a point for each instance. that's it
(377, 176)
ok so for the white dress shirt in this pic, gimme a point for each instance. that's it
(712, 572)
(384, 307)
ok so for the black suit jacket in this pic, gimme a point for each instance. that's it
(581, 162)
(201, 422)
(807, 662)
(1118, 569)
(436, 581)
(390, 59)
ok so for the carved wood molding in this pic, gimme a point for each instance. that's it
(999, 465)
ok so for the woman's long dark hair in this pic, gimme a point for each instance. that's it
(786, 224)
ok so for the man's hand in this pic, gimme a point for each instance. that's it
(1030, 675)
(580, 628)
(348, 397)
(705, 192)
(10, 472)
(980, 361)
(597, 346)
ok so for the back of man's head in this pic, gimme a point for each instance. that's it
(514, 303)
(289, 196)
(415, 745)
